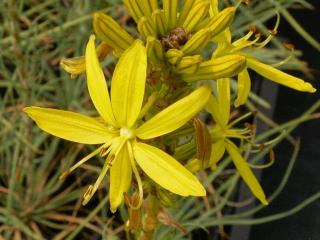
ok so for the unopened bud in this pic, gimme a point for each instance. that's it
(197, 42)
(174, 56)
(165, 198)
(189, 64)
(221, 67)
(110, 31)
(154, 50)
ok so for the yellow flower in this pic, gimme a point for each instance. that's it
(222, 133)
(121, 132)
(219, 107)
(226, 47)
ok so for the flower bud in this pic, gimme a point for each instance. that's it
(174, 56)
(160, 22)
(189, 64)
(220, 22)
(109, 31)
(146, 27)
(154, 50)
(197, 42)
(170, 12)
(77, 65)
(197, 13)
(222, 67)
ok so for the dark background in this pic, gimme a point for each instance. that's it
(305, 178)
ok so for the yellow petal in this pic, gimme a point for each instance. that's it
(175, 115)
(97, 84)
(194, 165)
(69, 125)
(217, 151)
(280, 77)
(223, 88)
(166, 171)
(213, 108)
(244, 87)
(128, 82)
(120, 178)
(245, 172)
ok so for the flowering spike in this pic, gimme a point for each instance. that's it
(279, 77)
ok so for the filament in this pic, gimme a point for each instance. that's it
(138, 179)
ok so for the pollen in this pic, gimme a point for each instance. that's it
(127, 133)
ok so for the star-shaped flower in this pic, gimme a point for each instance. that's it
(121, 132)
(221, 138)
(223, 132)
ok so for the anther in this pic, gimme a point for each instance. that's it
(252, 28)
(64, 175)
(247, 2)
(289, 46)
(273, 32)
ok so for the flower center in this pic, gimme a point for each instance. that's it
(127, 133)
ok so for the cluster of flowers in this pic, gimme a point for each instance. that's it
(157, 89)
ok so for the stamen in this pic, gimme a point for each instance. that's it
(284, 61)
(137, 176)
(244, 43)
(263, 166)
(239, 119)
(272, 33)
(93, 188)
(82, 161)
(244, 39)
(115, 148)
(246, 2)
(64, 175)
